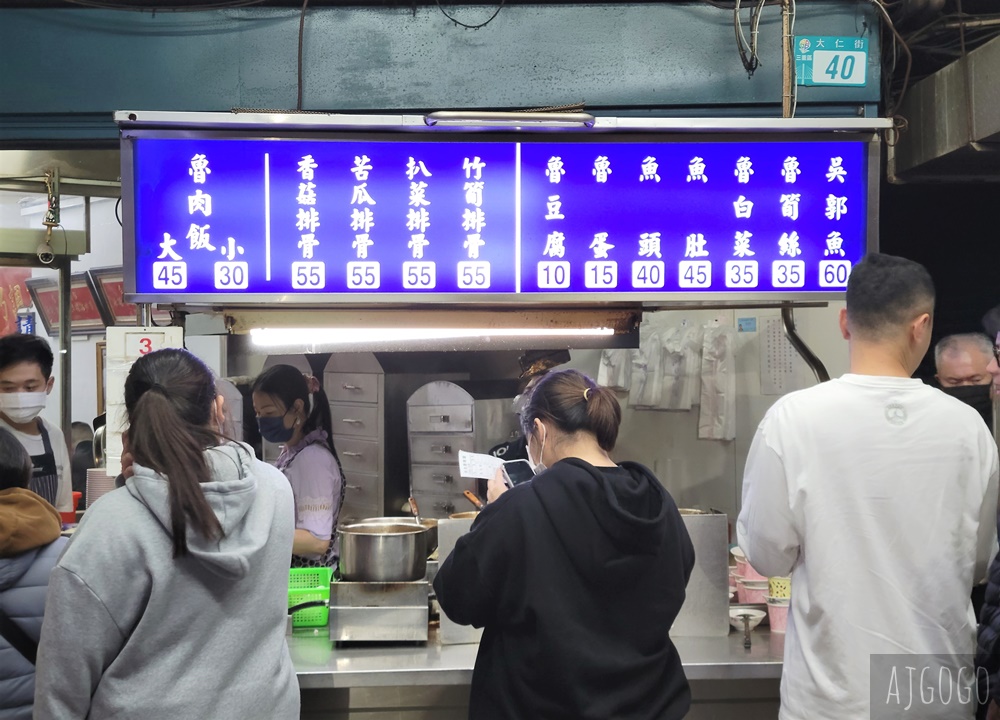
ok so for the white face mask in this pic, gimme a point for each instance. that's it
(538, 467)
(22, 407)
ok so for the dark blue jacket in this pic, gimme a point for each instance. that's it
(987, 647)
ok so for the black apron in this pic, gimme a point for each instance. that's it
(44, 472)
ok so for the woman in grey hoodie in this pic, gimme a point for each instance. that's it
(171, 598)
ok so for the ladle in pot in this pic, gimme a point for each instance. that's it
(471, 497)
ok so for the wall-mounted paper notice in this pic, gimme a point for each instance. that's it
(477, 465)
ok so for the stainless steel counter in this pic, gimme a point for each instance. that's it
(320, 665)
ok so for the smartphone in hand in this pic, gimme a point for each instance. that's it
(516, 472)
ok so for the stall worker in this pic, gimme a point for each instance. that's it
(293, 410)
(878, 495)
(29, 547)
(171, 599)
(961, 363)
(576, 575)
(25, 383)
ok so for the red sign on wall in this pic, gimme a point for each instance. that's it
(13, 295)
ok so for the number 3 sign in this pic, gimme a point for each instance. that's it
(129, 343)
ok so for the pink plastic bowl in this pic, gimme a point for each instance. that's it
(777, 616)
(753, 591)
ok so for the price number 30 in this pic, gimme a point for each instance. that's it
(231, 276)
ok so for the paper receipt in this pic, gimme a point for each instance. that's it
(477, 465)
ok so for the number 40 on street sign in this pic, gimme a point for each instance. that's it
(831, 60)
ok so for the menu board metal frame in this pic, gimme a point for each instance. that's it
(409, 129)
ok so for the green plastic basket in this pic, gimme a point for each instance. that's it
(306, 585)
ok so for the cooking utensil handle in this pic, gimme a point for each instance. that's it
(471, 497)
(414, 509)
(353, 421)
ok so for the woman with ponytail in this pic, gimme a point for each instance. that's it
(583, 568)
(292, 410)
(170, 600)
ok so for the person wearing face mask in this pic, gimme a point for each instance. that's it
(25, 383)
(292, 410)
(962, 363)
(581, 570)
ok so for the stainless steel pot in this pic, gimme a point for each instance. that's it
(430, 523)
(383, 553)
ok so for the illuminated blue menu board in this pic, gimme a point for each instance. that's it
(283, 217)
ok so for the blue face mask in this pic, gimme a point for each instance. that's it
(273, 429)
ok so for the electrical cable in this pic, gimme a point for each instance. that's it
(302, 25)
(906, 51)
(472, 27)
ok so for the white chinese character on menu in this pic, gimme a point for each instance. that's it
(788, 244)
(790, 169)
(361, 195)
(418, 220)
(834, 244)
(744, 169)
(307, 194)
(307, 220)
(696, 170)
(362, 166)
(743, 207)
(741, 248)
(231, 249)
(361, 244)
(837, 171)
(307, 166)
(474, 193)
(417, 244)
(362, 220)
(601, 246)
(602, 168)
(414, 168)
(199, 169)
(649, 169)
(418, 194)
(835, 207)
(472, 243)
(306, 244)
(554, 245)
(198, 235)
(554, 206)
(473, 220)
(555, 170)
(649, 245)
(695, 246)
(200, 202)
(473, 168)
(790, 205)
(167, 248)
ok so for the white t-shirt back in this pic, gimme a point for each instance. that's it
(878, 496)
(34, 445)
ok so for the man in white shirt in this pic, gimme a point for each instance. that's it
(878, 495)
(25, 383)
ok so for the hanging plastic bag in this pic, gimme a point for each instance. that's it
(718, 385)
(615, 370)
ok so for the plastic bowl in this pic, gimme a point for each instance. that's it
(736, 617)
(754, 591)
(777, 614)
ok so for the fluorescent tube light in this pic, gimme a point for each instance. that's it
(278, 337)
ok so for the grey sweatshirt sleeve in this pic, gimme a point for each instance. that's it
(79, 641)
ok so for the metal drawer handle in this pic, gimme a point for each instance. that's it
(352, 421)
(447, 507)
(348, 453)
(439, 418)
(348, 386)
(443, 449)
(439, 478)
(354, 487)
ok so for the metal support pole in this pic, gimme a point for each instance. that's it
(65, 351)
(786, 59)
(144, 314)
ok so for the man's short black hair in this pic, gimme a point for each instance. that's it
(15, 349)
(15, 463)
(886, 292)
